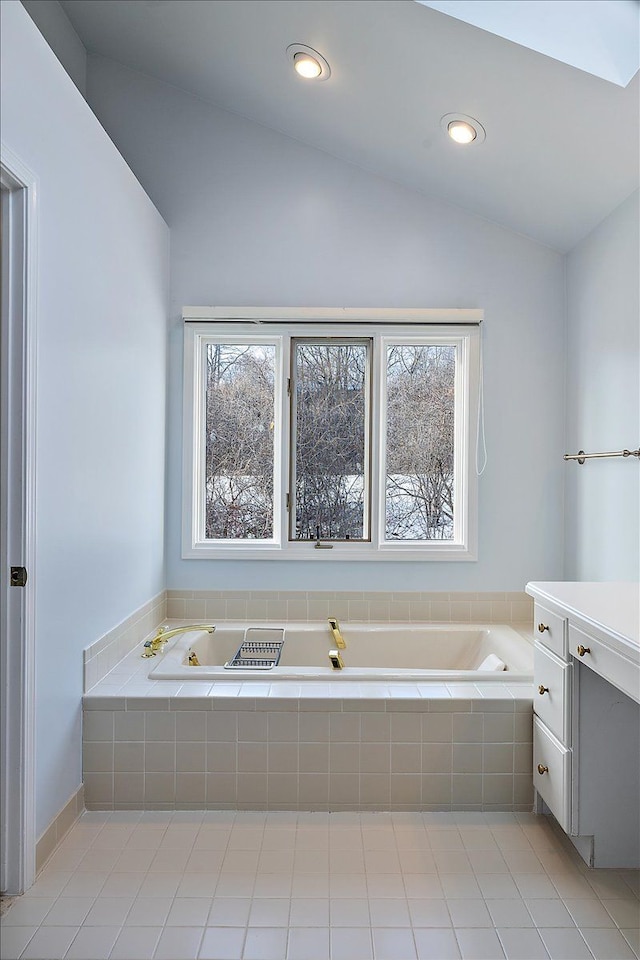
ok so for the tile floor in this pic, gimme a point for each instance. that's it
(223, 885)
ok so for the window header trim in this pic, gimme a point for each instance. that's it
(371, 316)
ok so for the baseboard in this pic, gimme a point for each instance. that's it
(59, 827)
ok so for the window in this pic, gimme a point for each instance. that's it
(329, 441)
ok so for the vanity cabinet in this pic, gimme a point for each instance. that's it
(586, 727)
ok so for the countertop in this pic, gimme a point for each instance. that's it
(611, 609)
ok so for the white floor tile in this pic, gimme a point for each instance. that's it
(179, 943)
(393, 944)
(308, 944)
(92, 943)
(265, 943)
(265, 911)
(607, 944)
(436, 945)
(188, 912)
(49, 943)
(349, 913)
(563, 943)
(479, 944)
(136, 943)
(109, 911)
(309, 912)
(68, 912)
(587, 913)
(13, 940)
(351, 943)
(389, 912)
(469, 913)
(429, 913)
(149, 912)
(28, 912)
(228, 911)
(522, 944)
(402, 886)
(222, 944)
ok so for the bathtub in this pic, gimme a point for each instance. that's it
(374, 651)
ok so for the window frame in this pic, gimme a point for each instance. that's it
(281, 329)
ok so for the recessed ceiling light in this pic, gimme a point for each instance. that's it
(308, 63)
(463, 129)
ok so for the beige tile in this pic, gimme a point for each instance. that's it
(344, 727)
(314, 727)
(191, 758)
(221, 788)
(497, 758)
(466, 788)
(406, 758)
(468, 727)
(221, 758)
(222, 726)
(252, 788)
(312, 757)
(344, 788)
(436, 789)
(406, 728)
(159, 725)
(467, 758)
(159, 787)
(437, 758)
(191, 725)
(313, 788)
(129, 757)
(344, 757)
(437, 727)
(375, 758)
(128, 787)
(252, 757)
(159, 757)
(375, 727)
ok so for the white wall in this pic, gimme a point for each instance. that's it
(61, 36)
(240, 200)
(103, 258)
(603, 399)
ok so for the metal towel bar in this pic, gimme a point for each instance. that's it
(581, 456)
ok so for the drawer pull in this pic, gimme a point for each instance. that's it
(542, 627)
(542, 769)
(582, 650)
(542, 690)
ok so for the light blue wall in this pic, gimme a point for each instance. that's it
(259, 219)
(101, 371)
(603, 399)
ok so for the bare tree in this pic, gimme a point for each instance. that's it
(239, 442)
(420, 442)
(330, 440)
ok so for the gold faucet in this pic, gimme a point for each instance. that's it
(334, 626)
(163, 635)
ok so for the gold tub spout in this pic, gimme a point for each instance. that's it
(161, 637)
(334, 626)
(336, 659)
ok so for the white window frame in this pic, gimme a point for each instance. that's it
(279, 327)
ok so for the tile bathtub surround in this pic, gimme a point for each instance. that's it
(103, 655)
(292, 753)
(225, 885)
(413, 607)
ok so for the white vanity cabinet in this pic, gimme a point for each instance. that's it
(586, 731)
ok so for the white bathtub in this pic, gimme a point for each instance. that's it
(375, 651)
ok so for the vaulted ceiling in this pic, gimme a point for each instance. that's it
(561, 148)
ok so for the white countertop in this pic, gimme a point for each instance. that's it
(611, 608)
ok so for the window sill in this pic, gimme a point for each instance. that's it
(337, 552)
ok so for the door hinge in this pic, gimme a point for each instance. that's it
(289, 386)
(288, 501)
(18, 576)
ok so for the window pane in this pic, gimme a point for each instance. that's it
(420, 441)
(331, 408)
(239, 443)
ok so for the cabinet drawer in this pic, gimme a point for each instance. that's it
(618, 670)
(550, 630)
(552, 692)
(554, 782)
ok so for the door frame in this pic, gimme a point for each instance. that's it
(18, 627)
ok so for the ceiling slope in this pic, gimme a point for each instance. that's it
(561, 149)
